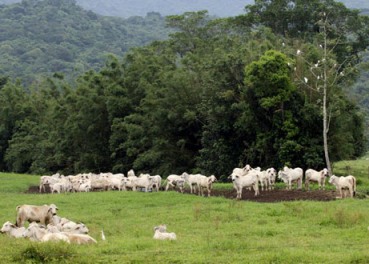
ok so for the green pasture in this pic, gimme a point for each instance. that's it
(209, 230)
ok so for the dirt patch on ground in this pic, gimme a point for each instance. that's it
(278, 195)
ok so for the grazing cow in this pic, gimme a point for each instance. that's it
(12, 230)
(344, 182)
(242, 181)
(289, 175)
(161, 234)
(206, 183)
(33, 213)
(316, 176)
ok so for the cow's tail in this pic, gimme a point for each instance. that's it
(353, 185)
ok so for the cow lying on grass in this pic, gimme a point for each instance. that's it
(162, 234)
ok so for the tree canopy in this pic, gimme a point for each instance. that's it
(38, 38)
(216, 95)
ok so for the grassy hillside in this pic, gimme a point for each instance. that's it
(209, 230)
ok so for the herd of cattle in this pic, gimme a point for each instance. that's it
(249, 177)
(242, 178)
(86, 182)
(46, 225)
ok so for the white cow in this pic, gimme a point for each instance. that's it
(143, 181)
(246, 181)
(48, 180)
(206, 183)
(316, 176)
(72, 227)
(272, 174)
(40, 233)
(33, 213)
(344, 182)
(100, 182)
(192, 180)
(79, 239)
(117, 181)
(241, 171)
(131, 173)
(161, 234)
(12, 230)
(175, 180)
(156, 182)
(289, 175)
(264, 180)
(83, 186)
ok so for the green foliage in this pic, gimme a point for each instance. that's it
(39, 38)
(214, 96)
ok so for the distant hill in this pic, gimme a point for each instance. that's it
(43, 37)
(221, 8)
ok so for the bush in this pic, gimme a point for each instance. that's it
(46, 253)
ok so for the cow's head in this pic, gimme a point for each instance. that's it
(53, 209)
(332, 179)
(212, 178)
(7, 227)
(325, 172)
(235, 177)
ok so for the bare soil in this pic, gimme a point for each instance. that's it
(278, 195)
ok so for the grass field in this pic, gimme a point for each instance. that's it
(209, 230)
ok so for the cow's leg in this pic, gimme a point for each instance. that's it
(341, 194)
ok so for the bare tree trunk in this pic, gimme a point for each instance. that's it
(325, 130)
(325, 115)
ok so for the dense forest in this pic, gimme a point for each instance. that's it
(218, 93)
(38, 38)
